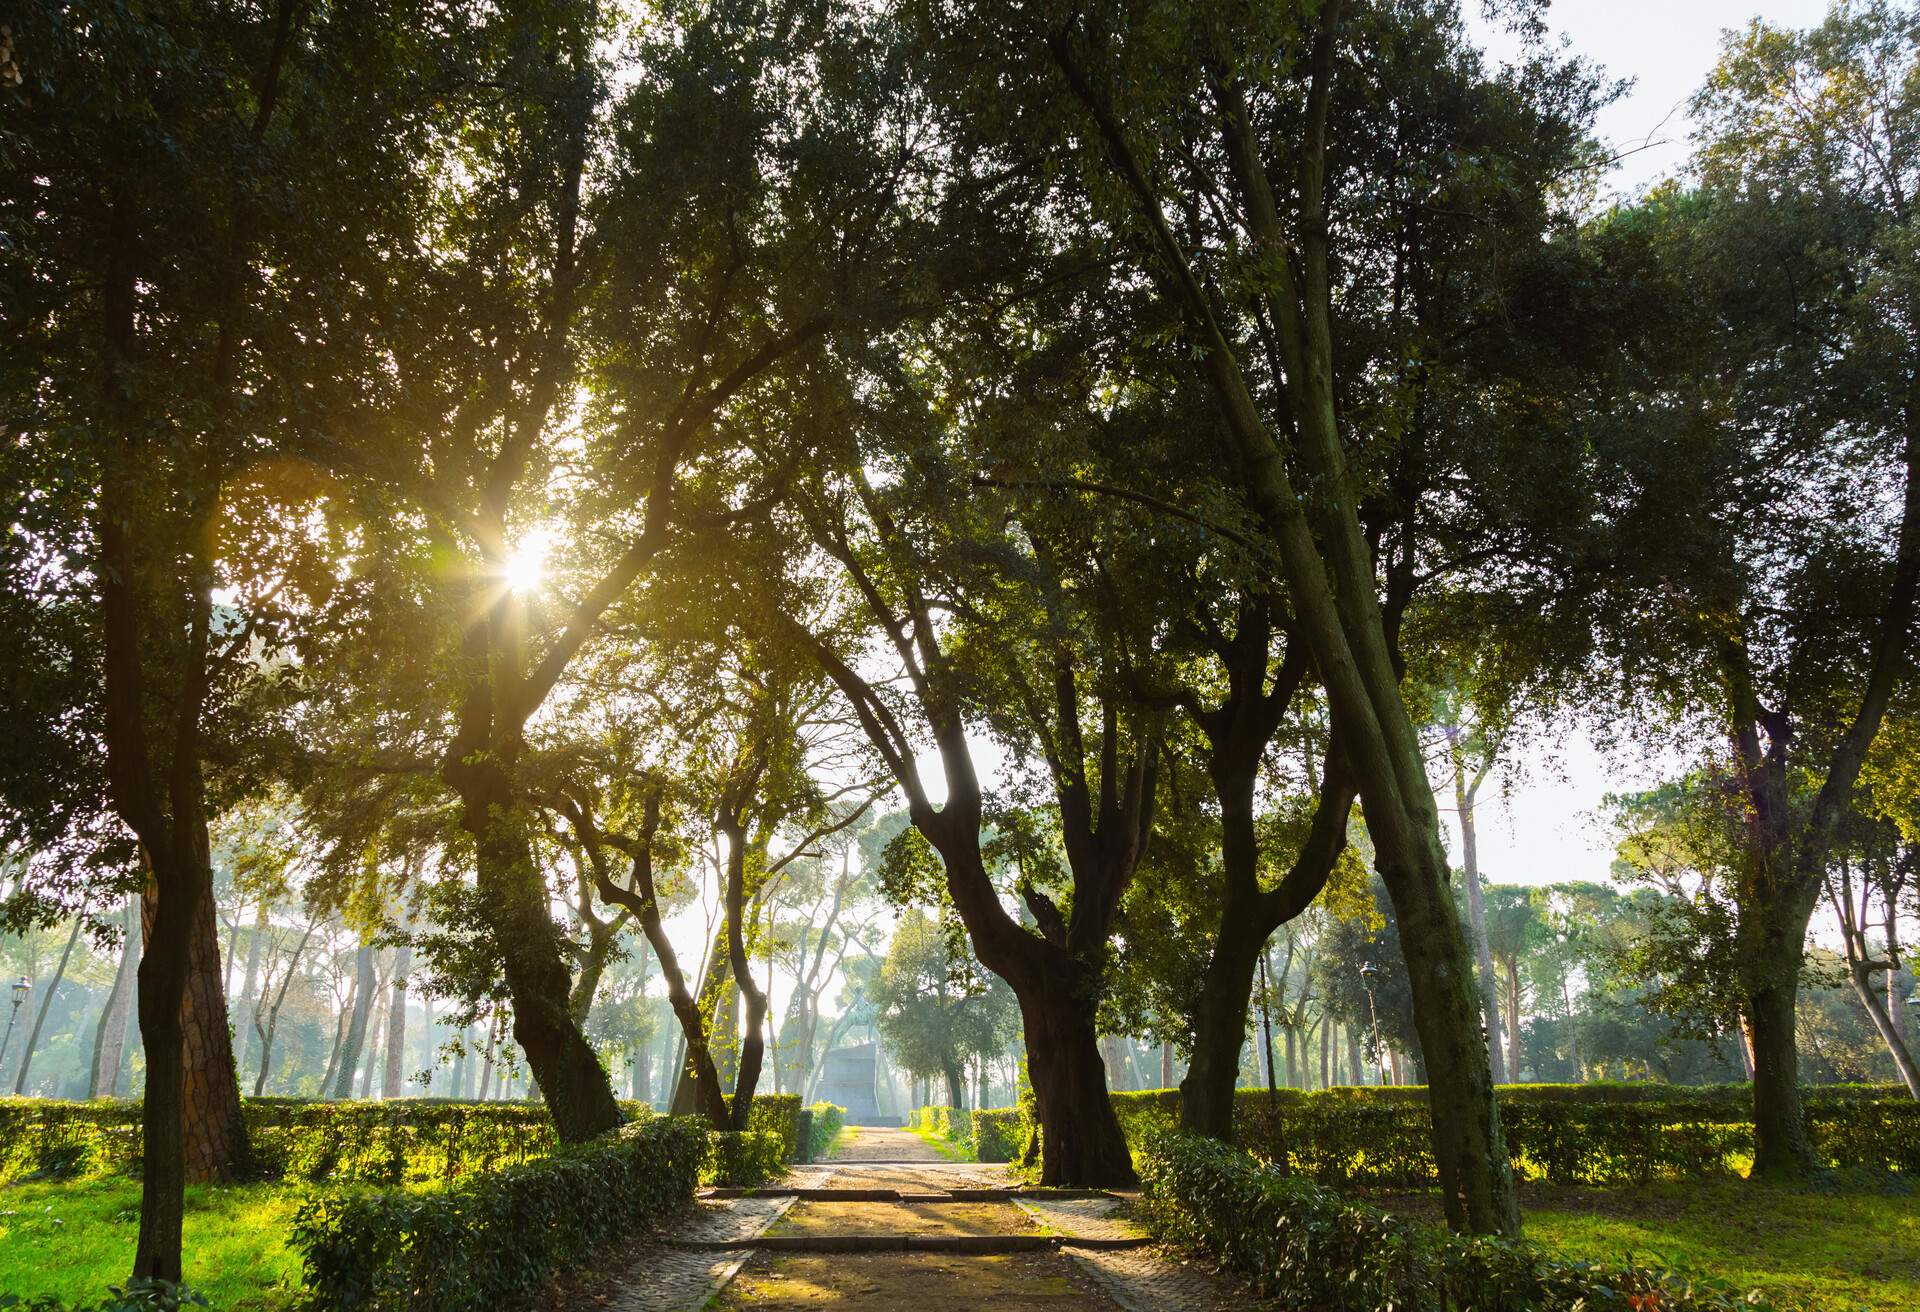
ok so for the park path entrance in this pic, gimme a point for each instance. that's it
(888, 1223)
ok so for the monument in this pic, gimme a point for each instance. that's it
(848, 1080)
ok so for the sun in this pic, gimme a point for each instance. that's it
(525, 566)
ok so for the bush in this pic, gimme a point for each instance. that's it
(742, 1157)
(955, 1126)
(52, 1139)
(492, 1240)
(378, 1142)
(1598, 1135)
(828, 1120)
(778, 1114)
(140, 1294)
(1000, 1133)
(1307, 1247)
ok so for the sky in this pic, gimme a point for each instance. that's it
(1539, 824)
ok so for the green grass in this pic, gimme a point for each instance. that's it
(1854, 1245)
(74, 1238)
(946, 1147)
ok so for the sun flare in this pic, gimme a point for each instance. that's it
(525, 566)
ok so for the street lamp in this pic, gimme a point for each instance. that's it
(21, 987)
(1367, 972)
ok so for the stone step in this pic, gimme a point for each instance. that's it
(907, 1243)
(829, 1194)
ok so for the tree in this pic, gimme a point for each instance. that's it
(1734, 584)
(1161, 122)
(936, 1009)
(165, 367)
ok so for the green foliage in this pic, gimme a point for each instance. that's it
(828, 1120)
(948, 1123)
(937, 1006)
(1591, 1134)
(1308, 1247)
(492, 1240)
(778, 1114)
(137, 1295)
(1000, 1133)
(378, 1142)
(742, 1157)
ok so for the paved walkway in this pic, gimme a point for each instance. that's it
(898, 1226)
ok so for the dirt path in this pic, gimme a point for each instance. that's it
(873, 1143)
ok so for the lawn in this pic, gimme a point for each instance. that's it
(1855, 1245)
(74, 1238)
(1852, 1244)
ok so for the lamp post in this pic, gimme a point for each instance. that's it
(1367, 972)
(21, 987)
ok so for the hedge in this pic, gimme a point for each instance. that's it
(1597, 1135)
(1000, 1133)
(828, 1120)
(1307, 1247)
(493, 1240)
(742, 1157)
(778, 1114)
(377, 1142)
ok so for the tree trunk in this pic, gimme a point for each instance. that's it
(1219, 1031)
(956, 1086)
(40, 1014)
(249, 1000)
(1326, 1052)
(1781, 1147)
(363, 987)
(486, 1058)
(753, 1044)
(1463, 799)
(1082, 1144)
(393, 1078)
(698, 1085)
(370, 1056)
(214, 1131)
(169, 924)
(513, 893)
(1872, 1000)
(1895, 1004)
(1513, 1014)
(110, 1036)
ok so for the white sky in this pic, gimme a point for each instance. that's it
(1539, 824)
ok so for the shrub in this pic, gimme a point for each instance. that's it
(54, 1139)
(742, 1157)
(1600, 1135)
(955, 1126)
(492, 1240)
(1000, 1133)
(379, 1142)
(778, 1114)
(141, 1294)
(1308, 1247)
(828, 1120)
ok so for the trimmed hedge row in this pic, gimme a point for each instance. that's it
(492, 1241)
(828, 1120)
(1000, 1133)
(378, 1142)
(1308, 1248)
(741, 1157)
(1569, 1134)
